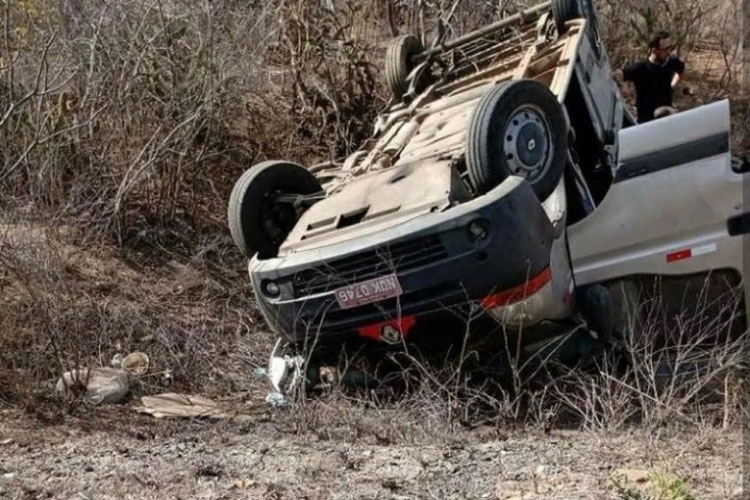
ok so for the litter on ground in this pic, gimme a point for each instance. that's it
(173, 405)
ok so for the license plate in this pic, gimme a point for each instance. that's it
(367, 292)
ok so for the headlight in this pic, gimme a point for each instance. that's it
(270, 288)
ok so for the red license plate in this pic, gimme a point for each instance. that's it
(367, 292)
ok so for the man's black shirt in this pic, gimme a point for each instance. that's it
(653, 84)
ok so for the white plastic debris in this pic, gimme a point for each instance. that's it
(135, 363)
(105, 385)
(100, 385)
(276, 399)
(116, 361)
(284, 375)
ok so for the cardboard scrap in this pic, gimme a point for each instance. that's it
(173, 405)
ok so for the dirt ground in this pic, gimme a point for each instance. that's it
(115, 453)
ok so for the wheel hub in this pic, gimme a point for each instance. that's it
(527, 143)
(278, 219)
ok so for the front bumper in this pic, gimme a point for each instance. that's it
(439, 265)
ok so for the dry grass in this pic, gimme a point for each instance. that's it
(66, 307)
(124, 127)
(664, 371)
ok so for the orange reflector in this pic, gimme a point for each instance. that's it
(518, 293)
(679, 255)
(689, 253)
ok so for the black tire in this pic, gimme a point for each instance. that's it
(562, 11)
(397, 66)
(629, 310)
(257, 225)
(595, 304)
(503, 133)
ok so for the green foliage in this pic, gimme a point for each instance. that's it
(661, 485)
(669, 487)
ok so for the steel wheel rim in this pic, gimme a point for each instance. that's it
(528, 143)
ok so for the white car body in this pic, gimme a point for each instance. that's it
(668, 209)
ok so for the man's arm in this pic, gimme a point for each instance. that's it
(627, 74)
(676, 79)
(679, 69)
(631, 72)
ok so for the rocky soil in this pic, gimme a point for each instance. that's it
(113, 453)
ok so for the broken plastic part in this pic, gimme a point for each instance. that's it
(284, 374)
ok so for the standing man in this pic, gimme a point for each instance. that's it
(655, 79)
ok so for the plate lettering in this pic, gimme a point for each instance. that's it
(367, 292)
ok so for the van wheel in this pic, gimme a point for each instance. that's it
(259, 223)
(595, 305)
(397, 65)
(562, 11)
(518, 128)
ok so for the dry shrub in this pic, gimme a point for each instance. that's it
(324, 77)
(664, 370)
(139, 115)
(630, 24)
(686, 369)
(127, 123)
(124, 116)
(65, 308)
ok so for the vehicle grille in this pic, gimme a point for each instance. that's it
(397, 257)
(390, 308)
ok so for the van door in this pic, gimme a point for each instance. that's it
(670, 207)
(599, 90)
